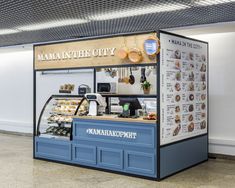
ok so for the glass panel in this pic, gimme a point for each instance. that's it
(57, 117)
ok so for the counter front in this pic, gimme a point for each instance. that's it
(125, 145)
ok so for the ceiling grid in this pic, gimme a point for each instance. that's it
(26, 21)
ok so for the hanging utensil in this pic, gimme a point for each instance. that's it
(122, 53)
(126, 78)
(107, 71)
(113, 73)
(122, 75)
(131, 78)
(143, 77)
(135, 55)
(119, 76)
(148, 72)
(154, 70)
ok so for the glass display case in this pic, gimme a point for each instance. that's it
(56, 117)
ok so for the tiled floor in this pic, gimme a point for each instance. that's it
(19, 170)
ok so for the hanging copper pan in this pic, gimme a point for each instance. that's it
(122, 53)
(135, 55)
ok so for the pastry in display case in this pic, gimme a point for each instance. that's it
(56, 117)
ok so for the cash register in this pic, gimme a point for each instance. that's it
(129, 107)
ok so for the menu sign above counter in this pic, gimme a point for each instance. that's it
(183, 70)
(89, 53)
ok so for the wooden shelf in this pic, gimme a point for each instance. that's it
(129, 95)
(110, 95)
(116, 118)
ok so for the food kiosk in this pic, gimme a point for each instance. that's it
(112, 125)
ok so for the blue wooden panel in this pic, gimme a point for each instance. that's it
(115, 146)
(145, 132)
(84, 154)
(140, 163)
(181, 155)
(111, 158)
(53, 149)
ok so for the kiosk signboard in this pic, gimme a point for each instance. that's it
(90, 53)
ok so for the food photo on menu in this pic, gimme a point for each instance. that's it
(191, 108)
(177, 130)
(190, 56)
(203, 115)
(203, 106)
(177, 87)
(191, 76)
(203, 86)
(203, 77)
(203, 124)
(177, 109)
(203, 57)
(190, 117)
(177, 119)
(191, 97)
(203, 97)
(177, 65)
(191, 86)
(177, 98)
(191, 127)
(191, 66)
(176, 54)
(203, 67)
(178, 76)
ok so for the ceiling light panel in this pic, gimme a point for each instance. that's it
(138, 11)
(8, 31)
(212, 2)
(52, 24)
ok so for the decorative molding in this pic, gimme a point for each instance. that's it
(16, 126)
(222, 146)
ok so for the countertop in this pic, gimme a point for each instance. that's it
(116, 118)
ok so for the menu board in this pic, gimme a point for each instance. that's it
(183, 79)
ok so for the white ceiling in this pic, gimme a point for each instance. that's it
(225, 27)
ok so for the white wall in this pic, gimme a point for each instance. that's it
(221, 92)
(16, 89)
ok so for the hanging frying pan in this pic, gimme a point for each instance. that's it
(131, 78)
(143, 77)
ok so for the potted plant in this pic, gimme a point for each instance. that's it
(146, 87)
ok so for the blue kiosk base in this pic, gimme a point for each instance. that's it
(125, 147)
